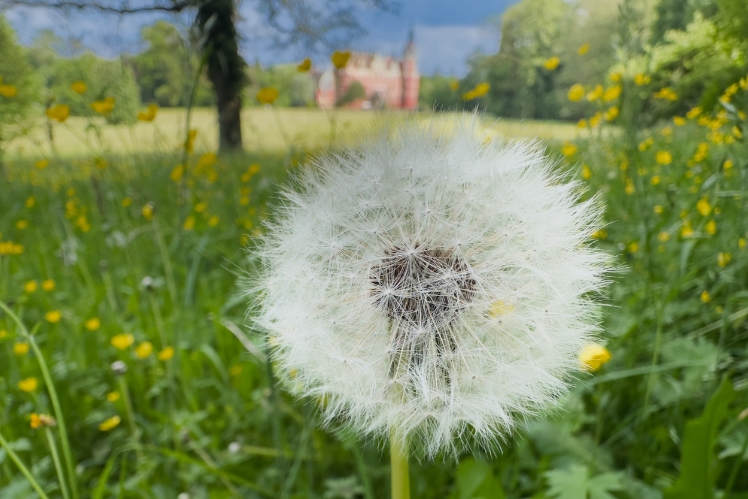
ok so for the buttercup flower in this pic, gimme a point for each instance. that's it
(28, 385)
(59, 112)
(340, 59)
(593, 357)
(149, 114)
(431, 285)
(304, 66)
(267, 95)
(110, 424)
(551, 63)
(79, 87)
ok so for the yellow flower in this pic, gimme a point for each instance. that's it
(176, 173)
(703, 207)
(655, 180)
(122, 341)
(113, 397)
(658, 209)
(53, 316)
(629, 189)
(340, 59)
(42, 164)
(21, 348)
(742, 243)
(576, 92)
(586, 172)
(595, 119)
(711, 227)
(569, 150)
(611, 113)
(78, 87)
(551, 63)
(665, 93)
(592, 357)
(267, 95)
(110, 423)
(667, 131)
(200, 207)
(28, 385)
(149, 114)
(646, 143)
(41, 421)
(147, 211)
(8, 91)
(30, 202)
(104, 107)
(213, 221)
(30, 287)
(166, 354)
(633, 247)
(469, 95)
(612, 93)
(663, 236)
(582, 123)
(189, 223)
(600, 234)
(663, 157)
(189, 144)
(595, 94)
(727, 164)
(481, 89)
(641, 79)
(616, 77)
(499, 308)
(723, 259)
(93, 324)
(126, 202)
(3, 333)
(22, 224)
(59, 113)
(144, 350)
(679, 120)
(304, 66)
(693, 113)
(705, 296)
(583, 49)
(454, 85)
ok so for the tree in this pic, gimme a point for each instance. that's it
(311, 24)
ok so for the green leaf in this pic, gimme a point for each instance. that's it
(697, 474)
(574, 483)
(475, 480)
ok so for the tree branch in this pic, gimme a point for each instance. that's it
(115, 8)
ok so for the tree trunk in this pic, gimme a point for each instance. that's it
(226, 68)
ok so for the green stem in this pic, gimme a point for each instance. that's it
(399, 468)
(130, 416)
(56, 461)
(23, 468)
(52, 396)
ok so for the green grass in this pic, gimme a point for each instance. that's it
(210, 422)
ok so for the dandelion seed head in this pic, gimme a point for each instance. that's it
(431, 284)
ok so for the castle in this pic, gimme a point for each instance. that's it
(388, 83)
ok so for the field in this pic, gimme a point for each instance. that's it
(121, 263)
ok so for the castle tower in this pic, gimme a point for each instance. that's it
(411, 78)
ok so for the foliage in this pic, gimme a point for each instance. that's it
(354, 92)
(295, 89)
(439, 93)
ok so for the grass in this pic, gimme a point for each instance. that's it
(153, 251)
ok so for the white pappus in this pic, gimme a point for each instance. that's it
(431, 284)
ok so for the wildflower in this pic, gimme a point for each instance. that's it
(583, 49)
(340, 59)
(582, 123)
(736, 132)
(455, 85)
(595, 119)
(382, 297)
(663, 236)
(104, 107)
(723, 259)
(593, 357)
(200, 207)
(189, 144)
(113, 396)
(616, 77)
(126, 202)
(665, 93)
(110, 424)
(59, 112)
(78, 87)
(481, 89)
(30, 202)
(611, 113)
(176, 173)
(551, 63)
(711, 227)
(470, 95)
(93, 324)
(641, 79)
(679, 120)
(213, 221)
(149, 114)
(629, 187)
(600, 234)
(633, 247)
(189, 223)
(686, 230)
(304, 66)
(21, 348)
(166, 354)
(122, 341)
(28, 385)
(42, 164)
(8, 91)
(53, 316)
(144, 350)
(569, 149)
(655, 180)
(595, 94)
(586, 172)
(664, 157)
(3, 333)
(703, 207)
(741, 243)
(612, 93)
(235, 370)
(147, 211)
(705, 297)
(693, 113)
(727, 164)
(22, 224)
(658, 209)
(667, 131)
(30, 287)
(41, 421)
(646, 144)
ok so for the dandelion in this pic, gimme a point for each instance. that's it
(122, 341)
(595, 94)
(664, 157)
(586, 172)
(93, 324)
(105, 106)
(28, 385)
(583, 49)
(53, 316)
(21, 349)
(113, 397)
(110, 424)
(723, 259)
(569, 149)
(41, 421)
(30, 287)
(705, 297)
(658, 209)
(711, 227)
(166, 354)
(144, 350)
(551, 63)
(149, 114)
(576, 92)
(641, 79)
(340, 59)
(665, 93)
(679, 120)
(727, 164)
(703, 207)
(79, 87)
(383, 276)
(304, 66)
(612, 93)
(59, 113)
(593, 357)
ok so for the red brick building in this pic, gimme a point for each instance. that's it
(388, 82)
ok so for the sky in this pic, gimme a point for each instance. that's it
(446, 32)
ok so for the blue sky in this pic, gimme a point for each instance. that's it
(447, 32)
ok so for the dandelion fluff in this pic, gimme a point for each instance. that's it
(431, 285)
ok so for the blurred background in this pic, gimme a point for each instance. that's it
(143, 143)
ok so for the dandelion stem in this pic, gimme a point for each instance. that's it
(399, 468)
(56, 461)
(23, 468)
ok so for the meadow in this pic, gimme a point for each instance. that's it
(121, 249)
